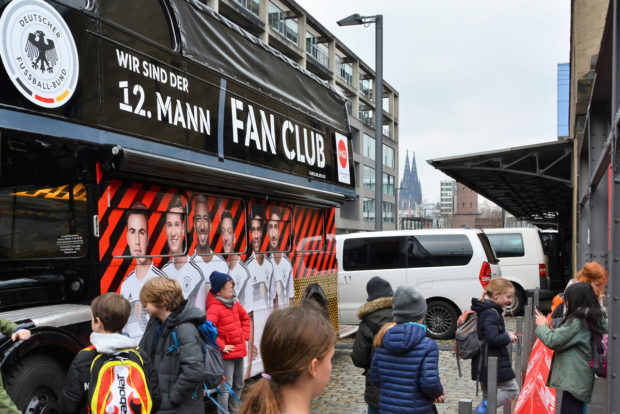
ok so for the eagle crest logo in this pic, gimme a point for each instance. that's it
(41, 52)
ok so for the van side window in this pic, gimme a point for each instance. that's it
(374, 253)
(507, 245)
(438, 250)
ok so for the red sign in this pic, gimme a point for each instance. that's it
(535, 396)
(343, 157)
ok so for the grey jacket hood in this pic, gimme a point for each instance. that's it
(108, 343)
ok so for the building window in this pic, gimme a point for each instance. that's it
(344, 70)
(388, 156)
(286, 27)
(251, 5)
(365, 86)
(369, 147)
(368, 209)
(368, 177)
(388, 212)
(317, 50)
(387, 131)
(388, 184)
(365, 115)
(349, 106)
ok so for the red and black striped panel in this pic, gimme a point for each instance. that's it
(314, 238)
(216, 206)
(115, 200)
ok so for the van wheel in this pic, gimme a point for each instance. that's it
(440, 320)
(518, 303)
(35, 384)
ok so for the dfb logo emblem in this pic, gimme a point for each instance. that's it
(38, 52)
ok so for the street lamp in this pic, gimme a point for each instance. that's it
(352, 20)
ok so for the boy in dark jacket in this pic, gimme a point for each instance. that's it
(110, 312)
(375, 313)
(179, 363)
(233, 329)
(405, 366)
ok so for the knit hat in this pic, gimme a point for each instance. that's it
(409, 305)
(218, 280)
(378, 288)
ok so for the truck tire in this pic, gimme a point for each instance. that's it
(440, 320)
(315, 293)
(35, 383)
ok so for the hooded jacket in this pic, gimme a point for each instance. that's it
(232, 323)
(74, 397)
(373, 316)
(570, 370)
(405, 368)
(491, 330)
(178, 369)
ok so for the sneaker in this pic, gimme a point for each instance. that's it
(482, 407)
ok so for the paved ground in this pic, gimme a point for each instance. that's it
(345, 392)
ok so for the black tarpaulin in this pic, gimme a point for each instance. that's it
(211, 40)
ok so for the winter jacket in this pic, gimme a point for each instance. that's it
(232, 323)
(405, 369)
(74, 398)
(373, 316)
(178, 369)
(570, 370)
(491, 330)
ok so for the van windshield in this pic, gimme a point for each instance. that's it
(488, 250)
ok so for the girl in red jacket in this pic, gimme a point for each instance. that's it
(233, 329)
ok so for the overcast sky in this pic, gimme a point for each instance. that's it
(473, 75)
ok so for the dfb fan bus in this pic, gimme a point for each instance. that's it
(155, 140)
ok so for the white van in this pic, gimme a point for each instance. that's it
(523, 262)
(448, 267)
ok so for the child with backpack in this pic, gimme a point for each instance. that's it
(571, 341)
(173, 342)
(491, 327)
(376, 312)
(233, 326)
(405, 366)
(134, 385)
(17, 333)
(292, 377)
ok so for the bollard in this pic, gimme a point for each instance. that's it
(518, 366)
(492, 385)
(536, 297)
(527, 325)
(465, 406)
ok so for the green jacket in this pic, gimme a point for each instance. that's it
(570, 370)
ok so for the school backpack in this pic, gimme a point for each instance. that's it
(467, 345)
(213, 369)
(118, 383)
(598, 344)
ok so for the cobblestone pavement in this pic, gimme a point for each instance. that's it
(345, 392)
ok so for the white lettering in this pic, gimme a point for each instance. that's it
(268, 132)
(308, 157)
(300, 157)
(178, 114)
(205, 121)
(287, 126)
(164, 108)
(320, 146)
(236, 105)
(251, 131)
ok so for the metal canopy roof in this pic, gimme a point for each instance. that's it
(532, 182)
